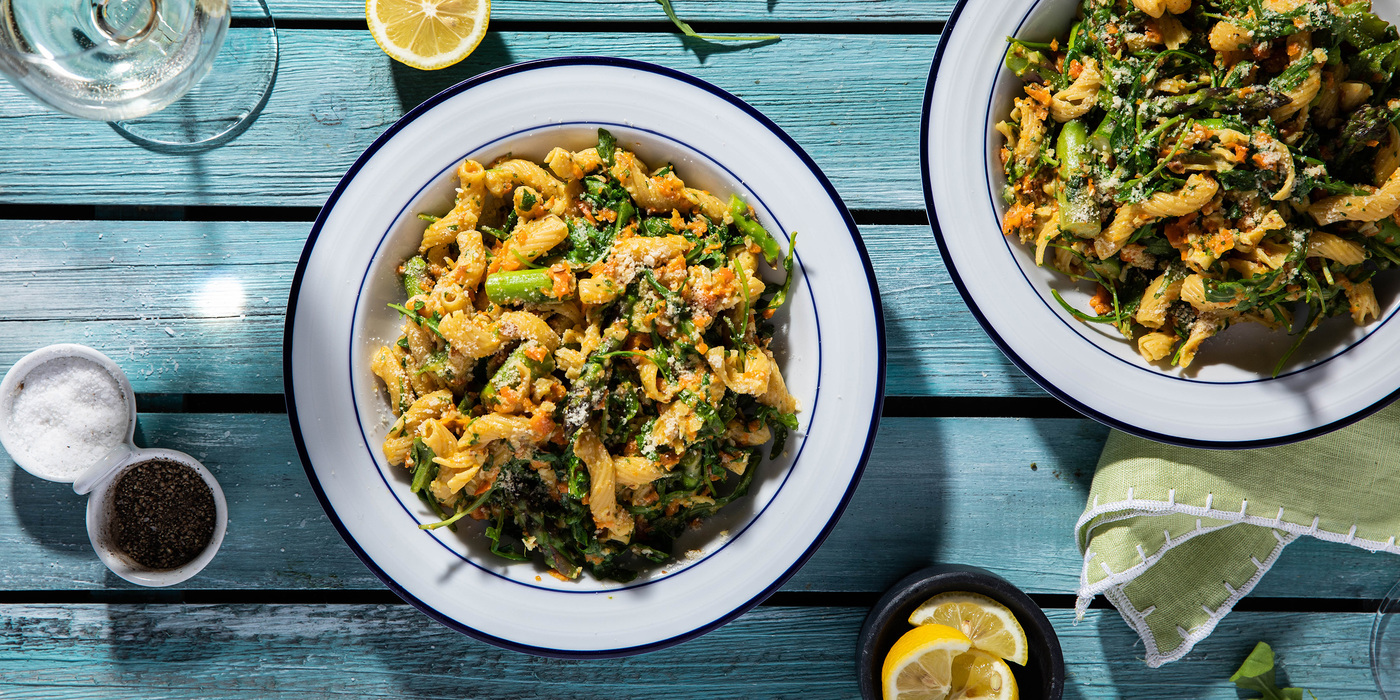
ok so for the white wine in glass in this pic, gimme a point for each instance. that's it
(109, 59)
(152, 68)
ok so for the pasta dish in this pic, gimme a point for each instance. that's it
(1209, 162)
(586, 360)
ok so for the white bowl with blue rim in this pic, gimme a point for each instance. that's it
(831, 348)
(1229, 397)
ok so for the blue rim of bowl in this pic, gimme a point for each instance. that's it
(1021, 364)
(420, 110)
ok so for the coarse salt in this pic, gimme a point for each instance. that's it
(66, 414)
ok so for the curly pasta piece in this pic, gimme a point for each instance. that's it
(777, 394)
(602, 495)
(1156, 346)
(523, 325)
(400, 439)
(495, 426)
(1361, 298)
(1174, 34)
(1206, 325)
(532, 239)
(1247, 241)
(505, 177)
(1199, 190)
(1153, 8)
(748, 435)
(471, 260)
(1225, 36)
(470, 334)
(1373, 207)
(1076, 100)
(655, 194)
(471, 197)
(388, 365)
(711, 206)
(675, 427)
(448, 296)
(1328, 99)
(1352, 94)
(635, 472)
(573, 166)
(752, 379)
(1301, 96)
(1193, 292)
(457, 471)
(1325, 245)
(1032, 133)
(1159, 296)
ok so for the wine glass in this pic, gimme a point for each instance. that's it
(122, 60)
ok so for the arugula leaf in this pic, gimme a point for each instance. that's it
(1257, 674)
(607, 146)
(685, 28)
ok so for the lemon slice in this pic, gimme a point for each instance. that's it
(428, 34)
(991, 627)
(978, 675)
(920, 665)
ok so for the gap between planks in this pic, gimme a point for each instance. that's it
(895, 406)
(80, 212)
(787, 599)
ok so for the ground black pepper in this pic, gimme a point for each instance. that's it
(162, 514)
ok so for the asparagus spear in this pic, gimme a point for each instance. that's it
(520, 286)
(585, 395)
(1365, 126)
(1223, 100)
(415, 277)
(1079, 213)
(754, 230)
(1027, 63)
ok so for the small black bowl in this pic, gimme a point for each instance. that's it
(1043, 679)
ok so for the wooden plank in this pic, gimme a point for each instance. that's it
(336, 92)
(197, 307)
(936, 490)
(556, 11)
(53, 652)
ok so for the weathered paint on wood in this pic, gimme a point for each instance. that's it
(198, 307)
(937, 490)
(336, 92)
(784, 11)
(50, 652)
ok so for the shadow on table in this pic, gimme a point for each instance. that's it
(415, 86)
(48, 512)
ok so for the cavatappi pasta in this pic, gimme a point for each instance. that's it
(586, 361)
(1209, 162)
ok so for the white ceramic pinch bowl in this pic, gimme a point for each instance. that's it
(98, 480)
(102, 485)
(14, 379)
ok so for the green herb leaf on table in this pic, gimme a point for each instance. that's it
(685, 28)
(1257, 674)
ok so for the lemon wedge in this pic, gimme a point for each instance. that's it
(978, 675)
(920, 664)
(991, 627)
(428, 34)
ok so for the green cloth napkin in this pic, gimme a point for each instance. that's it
(1174, 536)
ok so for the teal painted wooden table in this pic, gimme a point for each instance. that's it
(109, 245)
